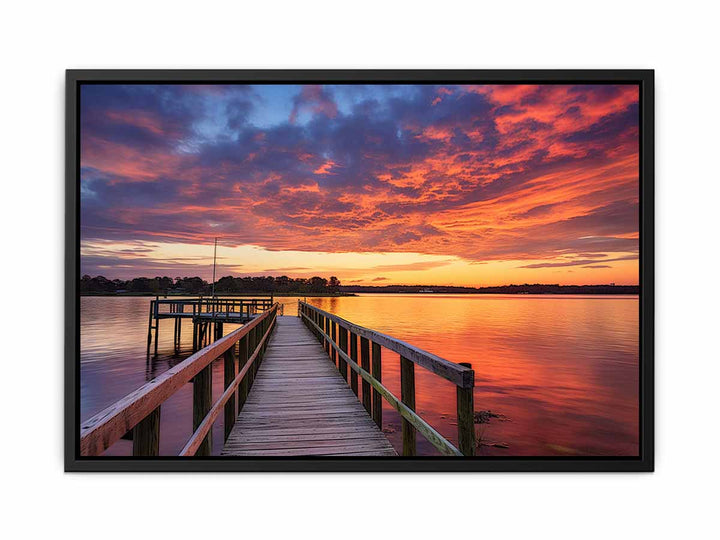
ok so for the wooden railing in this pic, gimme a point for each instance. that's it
(219, 310)
(139, 411)
(196, 306)
(340, 339)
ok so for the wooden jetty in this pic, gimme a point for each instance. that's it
(300, 405)
(291, 389)
(207, 314)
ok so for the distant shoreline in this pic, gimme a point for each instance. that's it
(552, 290)
(526, 288)
(220, 294)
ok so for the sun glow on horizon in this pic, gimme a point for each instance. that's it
(477, 185)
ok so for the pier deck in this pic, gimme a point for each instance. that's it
(300, 405)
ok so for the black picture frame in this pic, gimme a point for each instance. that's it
(645, 462)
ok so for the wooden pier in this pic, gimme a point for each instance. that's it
(291, 389)
(301, 406)
(208, 314)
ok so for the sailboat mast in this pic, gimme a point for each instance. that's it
(214, 263)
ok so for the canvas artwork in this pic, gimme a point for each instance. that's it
(333, 273)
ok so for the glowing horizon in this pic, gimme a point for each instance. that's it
(397, 184)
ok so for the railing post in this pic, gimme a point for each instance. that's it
(242, 360)
(157, 323)
(323, 325)
(328, 347)
(354, 357)
(333, 324)
(466, 417)
(146, 435)
(365, 364)
(251, 350)
(377, 374)
(150, 328)
(342, 364)
(202, 403)
(407, 394)
(230, 374)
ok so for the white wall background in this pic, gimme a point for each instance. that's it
(39, 40)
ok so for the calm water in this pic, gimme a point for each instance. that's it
(561, 371)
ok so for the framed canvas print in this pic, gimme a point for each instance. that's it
(359, 270)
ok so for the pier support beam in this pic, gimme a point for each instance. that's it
(365, 364)
(244, 386)
(354, 357)
(466, 418)
(146, 435)
(377, 374)
(202, 402)
(407, 394)
(157, 324)
(231, 372)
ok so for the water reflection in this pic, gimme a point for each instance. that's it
(561, 371)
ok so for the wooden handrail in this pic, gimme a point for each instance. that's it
(191, 447)
(458, 375)
(210, 304)
(106, 427)
(466, 434)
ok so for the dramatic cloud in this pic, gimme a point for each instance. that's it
(537, 175)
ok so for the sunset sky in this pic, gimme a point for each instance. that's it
(381, 184)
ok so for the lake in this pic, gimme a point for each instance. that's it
(560, 372)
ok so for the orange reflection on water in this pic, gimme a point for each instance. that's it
(562, 371)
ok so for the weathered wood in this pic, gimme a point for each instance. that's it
(456, 374)
(146, 435)
(230, 373)
(466, 418)
(438, 441)
(334, 340)
(157, 325)
(300, 406)
(365, 364)
(202, 403)
(354, 356)
(103, 429)
(251, 349)
(342, 365)
(150, 328)
(197, 441)
(407, 394)
(377, 374)
(242, 360)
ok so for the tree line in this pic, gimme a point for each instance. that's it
(196, 285)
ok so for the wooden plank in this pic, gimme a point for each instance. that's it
(203, 429)
(303, 406)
